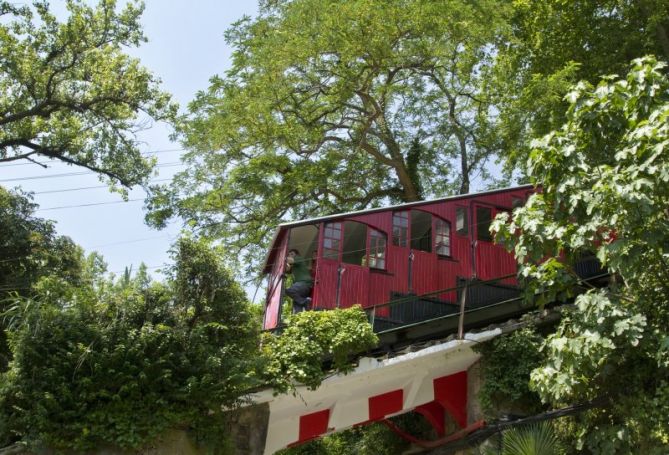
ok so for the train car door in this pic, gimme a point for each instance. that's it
(343, 275)
(354, 269)
(422, 256)
(492, 260)
(275, 285)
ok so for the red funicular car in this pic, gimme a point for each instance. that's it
(416, 253)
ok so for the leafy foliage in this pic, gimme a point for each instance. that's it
(555, 44)
(69, 92)
(122, 362)
(604, 176)
(505, 367)
(296, 356)
(372, 439)
(29, 251)
(333, 106)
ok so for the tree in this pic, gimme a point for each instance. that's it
(333, 106)
(604, 178)
(30, 250)
(557, 43)
(121, 362)
(69, 91)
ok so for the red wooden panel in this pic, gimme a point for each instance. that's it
(385, 404)
(445, 278)
(354, 285)
(325, 286)
(398, 265)
(451, 392)
(380, 286)
(379, 220)
(423, 267)
(314, 424)
(492, 260)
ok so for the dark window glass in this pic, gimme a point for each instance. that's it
(483, 221)
(442, 237)
(331, 240)
(355, 243)
(461, 221)
(517, 202)
(421, 231)
(377, 249)
(400, 228)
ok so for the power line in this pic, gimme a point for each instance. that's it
(122, 242)
(56, 160)
(89, 187)
(71, 174)
(87, 205)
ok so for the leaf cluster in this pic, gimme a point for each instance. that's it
(312, 337)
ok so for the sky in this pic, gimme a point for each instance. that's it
(185, 48)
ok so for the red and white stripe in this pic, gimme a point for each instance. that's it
(429, 381)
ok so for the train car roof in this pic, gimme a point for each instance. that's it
(291, 224)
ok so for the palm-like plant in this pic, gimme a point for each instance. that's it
(535, 439)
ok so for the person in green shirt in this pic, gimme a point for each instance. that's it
(300, 290)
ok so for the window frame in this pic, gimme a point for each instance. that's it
(339, 240)
(488, 236)
(413, 240)
(378, 234)
(447, 234)
(464, 210)
(403, 237)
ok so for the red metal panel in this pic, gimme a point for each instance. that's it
(275, 284)
(314, 424)
(451, 392)
(434, 413)
(385, 404)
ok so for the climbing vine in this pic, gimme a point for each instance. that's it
(506, 366)
(296, 356)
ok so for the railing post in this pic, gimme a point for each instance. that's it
(373, 316)
(463, 301)
(340, 272)
(410, 277)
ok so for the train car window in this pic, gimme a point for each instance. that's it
(421, 231)
(461, 221)
(377, 249)
(400, 228)
(355, 243)
(442, 237)
(483, 221)
(331, 240)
